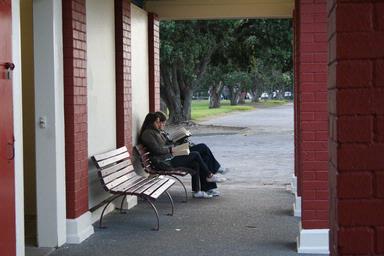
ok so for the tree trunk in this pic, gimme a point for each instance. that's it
(215, 93)
(254, 95)
(176, 94)
(242, 97)
(235, 95)
(187, 93)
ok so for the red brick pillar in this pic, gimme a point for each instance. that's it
(296, 62)
(356, 112)
(154, 61)
(313, 125)
(123, 73)
(75, 107)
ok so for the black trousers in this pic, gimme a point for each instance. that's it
(195, 161)
(206, 153)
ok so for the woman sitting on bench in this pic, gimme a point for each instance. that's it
(152, 137)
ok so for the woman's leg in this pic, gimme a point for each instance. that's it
(195, 161)
(186, 161)
(207, 155)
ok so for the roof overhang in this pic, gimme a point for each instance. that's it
(219, 9)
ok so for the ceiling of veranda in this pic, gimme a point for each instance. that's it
(219, 9)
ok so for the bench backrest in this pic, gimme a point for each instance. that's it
(115, 168)
(145, 158)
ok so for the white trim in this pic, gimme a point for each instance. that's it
(80, 228)
(297, 206)
(49, 107)
(18, 129)
(314, 241)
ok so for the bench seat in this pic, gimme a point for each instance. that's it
(171, 171)
(118, 177)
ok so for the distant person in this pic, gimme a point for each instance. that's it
(160, 148)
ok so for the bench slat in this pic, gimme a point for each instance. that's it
(141, 189)
(111, 160)
(127, 183)
(151, 189)
(107, 171)
(133, 189)
(161, 189)
(128, 171)
(119, 181)
(109, 154)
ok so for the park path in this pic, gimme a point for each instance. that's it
(260, 154)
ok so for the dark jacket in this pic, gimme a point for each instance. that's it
(157, 145)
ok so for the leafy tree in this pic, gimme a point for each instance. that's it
(244, 55)
(186, 48)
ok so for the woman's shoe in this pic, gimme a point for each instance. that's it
(213, 192)
(201, 194)
(216, 178)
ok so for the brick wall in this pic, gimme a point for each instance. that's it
(123, 73)
(154, 61)
(356, 109)
(313, 113)
(296, 61)
(75, 107)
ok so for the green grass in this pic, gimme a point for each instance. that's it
(272, 102)
(201, 111)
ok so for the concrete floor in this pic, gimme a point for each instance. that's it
(252, 217)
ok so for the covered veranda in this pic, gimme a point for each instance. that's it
(338, 112)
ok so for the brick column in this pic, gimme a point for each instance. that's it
(356, 110)
(75, 104)
(313, 125)
(296, 61)
(154, 61)
(123, 73)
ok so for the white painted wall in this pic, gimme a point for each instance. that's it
(101, 76)
(140, 87)
(101, 87)
(18, 128)
(49, 96)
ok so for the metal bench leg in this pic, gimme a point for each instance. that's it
(185, 190)
(105, 207)
(121, 205)
(171, 200)
(156, 212)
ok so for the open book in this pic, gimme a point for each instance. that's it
(179, 134)
(181, 150)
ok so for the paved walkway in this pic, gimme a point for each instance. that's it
(252, 217)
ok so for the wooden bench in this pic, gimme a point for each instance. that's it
(118, 177)
(151, 169)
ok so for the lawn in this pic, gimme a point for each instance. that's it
(201, 111)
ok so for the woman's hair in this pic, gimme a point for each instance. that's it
(150, 118)
(162, 117)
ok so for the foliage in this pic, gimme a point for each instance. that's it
(243, 55)
(185, 52)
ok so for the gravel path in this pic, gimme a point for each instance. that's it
(256, 145)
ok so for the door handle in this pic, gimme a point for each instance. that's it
(9, 65)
